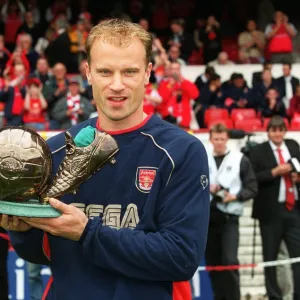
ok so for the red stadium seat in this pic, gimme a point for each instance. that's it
(227, 122)
(215, 114)
(243, 114)
(295, 123)
(248, 125)
(266, 122)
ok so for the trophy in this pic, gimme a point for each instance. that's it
(26, 181)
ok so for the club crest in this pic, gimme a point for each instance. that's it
(144, 178)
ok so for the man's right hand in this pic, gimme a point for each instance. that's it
(13, 223)
(281, 169)
(214, 188)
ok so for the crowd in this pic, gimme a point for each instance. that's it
(43, 81)
(43, 84)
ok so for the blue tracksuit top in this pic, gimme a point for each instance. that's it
(148, 218)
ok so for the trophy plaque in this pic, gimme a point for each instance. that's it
(26, 181)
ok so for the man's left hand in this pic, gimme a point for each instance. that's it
(228, 198)
(295, 177)
(69, 225)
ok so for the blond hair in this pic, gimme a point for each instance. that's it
(218, 128)
(118, 33)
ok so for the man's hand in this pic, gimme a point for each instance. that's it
(13, 223)
(69, 225)
(228, 197)
(281, 169)
(295, 177)
(214, 188)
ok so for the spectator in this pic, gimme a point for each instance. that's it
(61, 45)
(26, 47)
(222, 59)
(30, 27)
(280, 36)
(17, 57)
(14, 97)
(174, 55)
(177, 94)
(77, 37)
(252, 41)
(273, 105)
(210, 97)
(57, 8)
(4, 55)
(286, 84)
(260, 89)
(44, 41)
(35, 105)
(200, 24)
(157, 47)
(256, 76)
(210, 36)
(151, 99)
(181, 39)
(58, 85)
(42, 71)
(33, 7)
(204, 78)
(73, 108)
(12, 15)
(237, 93)
(82, 79)
(295, 103)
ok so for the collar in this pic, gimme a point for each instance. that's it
(274, 147)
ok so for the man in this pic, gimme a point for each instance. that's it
(232, 182)
(203, 79)
(143, 221)
(257, 76)
(276, 206)
(252, 41)
(177, 93)
(287, 84)
(279, 37)
(3, 264)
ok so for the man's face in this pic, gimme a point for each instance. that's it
(219, 142)
(251, 25)
(74, 89)
(286, 70)
(276, 135)
(174, 53)
(175, 69)
(118, 76)
(42, 66)
(176, 28)
(59, 72)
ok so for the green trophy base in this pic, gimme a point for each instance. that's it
(31, 209)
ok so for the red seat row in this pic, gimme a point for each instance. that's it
(244, 119)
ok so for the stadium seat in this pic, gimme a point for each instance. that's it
(243, 114)
(227, 122)
(295, 123)
(215, 114)
(266, 122)
(248, 124)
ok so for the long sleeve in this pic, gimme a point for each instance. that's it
(249, 183)
(171, 253)
(30, 245)
(190, 89)
(262, 176)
